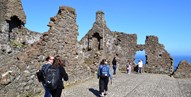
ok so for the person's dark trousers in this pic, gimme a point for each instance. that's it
(103, 84)
(140, 70)
(114, 69)
(47, 93)
(56, 93)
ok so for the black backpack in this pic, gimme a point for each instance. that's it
(52, 77)
(40, 75)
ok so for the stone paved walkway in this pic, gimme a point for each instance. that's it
(134, 85)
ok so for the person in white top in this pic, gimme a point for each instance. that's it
(140, 66)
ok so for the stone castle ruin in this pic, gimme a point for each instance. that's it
(100, 43)
(23, 51)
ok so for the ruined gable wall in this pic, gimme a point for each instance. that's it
(100, 43)
(93, 44)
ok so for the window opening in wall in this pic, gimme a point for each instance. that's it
(98, 37)
(14, 23)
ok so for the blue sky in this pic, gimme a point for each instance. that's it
(170, 20)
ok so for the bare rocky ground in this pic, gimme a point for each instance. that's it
(134, 85)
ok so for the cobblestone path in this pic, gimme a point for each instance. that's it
(134, 85)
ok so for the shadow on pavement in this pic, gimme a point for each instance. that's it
(95, 92)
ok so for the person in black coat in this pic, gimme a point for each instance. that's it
(58, 63)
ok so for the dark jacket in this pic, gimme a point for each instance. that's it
(64, 76)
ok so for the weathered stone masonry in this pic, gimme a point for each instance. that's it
(23, 51)
(101, 43)
(13, 35)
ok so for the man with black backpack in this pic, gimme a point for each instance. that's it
(103, 74)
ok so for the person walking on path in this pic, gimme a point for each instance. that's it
(128, 66)
(114, 62)
(49, 61)
(58, 65)
(140, 66)
(103, 74)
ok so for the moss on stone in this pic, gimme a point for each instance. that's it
(16, 44)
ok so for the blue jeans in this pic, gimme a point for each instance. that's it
(114, 69)
(47, 93)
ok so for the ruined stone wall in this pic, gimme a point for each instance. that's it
(93, 44)
(10, 9)
(100, 43)
(61, 39)
(82, 58)
(183, 70)
(124, 48)
(14, 8)
(3, 26)
(2, 13)
(158, 59)
(13, 35)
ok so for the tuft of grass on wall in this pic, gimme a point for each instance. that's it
(16, 44)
